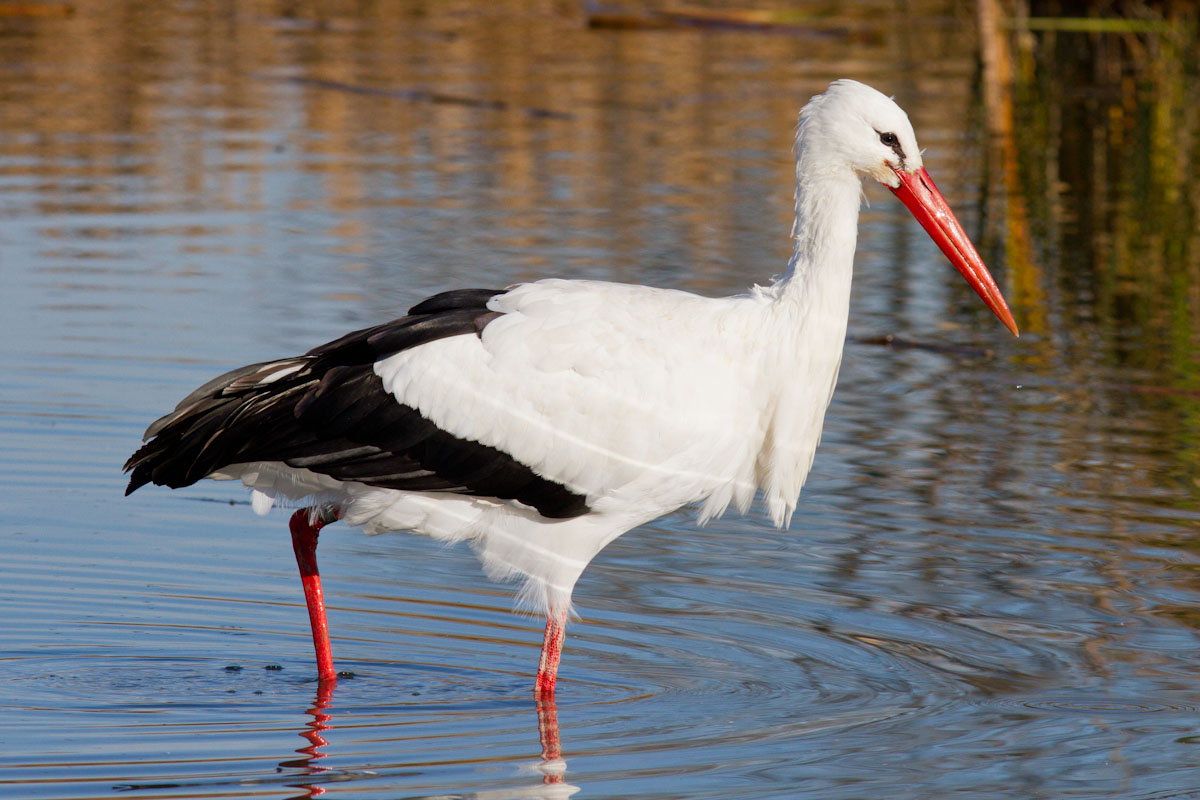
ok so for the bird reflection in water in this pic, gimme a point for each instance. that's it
(551, 768)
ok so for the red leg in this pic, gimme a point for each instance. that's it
(544, 695)
(305, 526)
(556, 631)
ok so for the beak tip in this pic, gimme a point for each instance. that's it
(1006, 318)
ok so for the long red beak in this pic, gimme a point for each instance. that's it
(918, 192)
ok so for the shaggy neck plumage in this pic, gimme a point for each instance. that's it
(811, 303)
(825, 230)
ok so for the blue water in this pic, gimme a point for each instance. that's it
(989, 589)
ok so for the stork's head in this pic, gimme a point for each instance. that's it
(854, 127)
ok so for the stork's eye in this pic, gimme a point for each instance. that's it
(889, 139)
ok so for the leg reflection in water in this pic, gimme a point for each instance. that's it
(313, 733)
(552, 767)
(318, 730)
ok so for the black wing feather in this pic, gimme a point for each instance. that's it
(327, 411)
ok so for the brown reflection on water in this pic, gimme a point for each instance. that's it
(1104, 246)
(201, 102)
(1107, 135)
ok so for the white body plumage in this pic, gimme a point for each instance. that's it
(643, 400)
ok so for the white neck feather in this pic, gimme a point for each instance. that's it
(810, 307)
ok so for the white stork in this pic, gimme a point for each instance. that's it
(541, 421)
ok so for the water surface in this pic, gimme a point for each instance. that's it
(990, 586)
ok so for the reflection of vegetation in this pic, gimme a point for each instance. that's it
(1105, 129)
